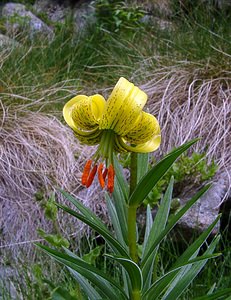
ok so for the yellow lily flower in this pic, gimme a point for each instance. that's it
(118, 124)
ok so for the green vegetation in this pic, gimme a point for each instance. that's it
(187, 170)
(45, 74)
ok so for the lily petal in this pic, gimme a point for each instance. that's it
(89, 137)
(123, 107)
(144, 129)
(149, 146)
(84, 113)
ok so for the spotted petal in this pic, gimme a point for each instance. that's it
(145, 128)
(84, 113)
(123, 107)
(151, 145)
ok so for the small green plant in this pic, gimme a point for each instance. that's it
(115, 15)
(50, 211)
(187, 170)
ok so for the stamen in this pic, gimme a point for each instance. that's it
(105, 173)
(101, 176)
(91, 176)
(111, 176)
(86, 171)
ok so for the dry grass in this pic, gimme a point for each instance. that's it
(37, 154)
(190, 103)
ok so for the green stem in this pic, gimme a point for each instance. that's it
(132, 233)
(132, 210)
(135, 295)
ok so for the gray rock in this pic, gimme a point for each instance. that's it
(204, 211)
(84, 15)
(56, 12)
(19, 19)
(6, 42)
(155, 21)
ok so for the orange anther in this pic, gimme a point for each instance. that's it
(86, 171)
(111, 176)
(105, 173)
(91, 176)
(100, 176)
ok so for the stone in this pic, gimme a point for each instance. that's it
(55, 11)
(6, 42)
(19, 19)
(84, 15)
(204, 211)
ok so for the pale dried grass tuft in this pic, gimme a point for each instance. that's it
(190, 103)
(37, 154)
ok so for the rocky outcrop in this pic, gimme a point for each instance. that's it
(19, 19)
(204, 211)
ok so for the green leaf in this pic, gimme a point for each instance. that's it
(106, 285)
(155, 174)
(89, 290)
(83, 209)
(159, 286)
(62, 294)
(133, 271)
(92, 255)
(187, 276)
(217, 295)
(172, 223)
(54, 239)
(142, 165)
(158, 226)
(120, 178)
(117, 225)
(149, 222)
(100, 228)
(120, 197)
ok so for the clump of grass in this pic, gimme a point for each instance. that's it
(189, 105)
(38, 155)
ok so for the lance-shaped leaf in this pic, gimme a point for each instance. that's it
(158, 226)
(85, 285)
(115, 220)
(100, 228)
(177, 288)
(133, 271)
(171, 224)
(109, 287)
(217, 295)
(155, 174)
(120, 197)
(159, 286)
(162, 283)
